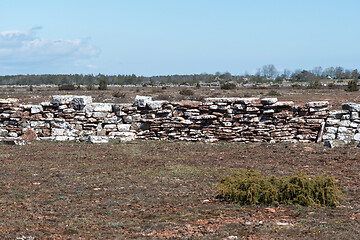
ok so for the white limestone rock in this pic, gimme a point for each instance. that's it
(98, 139)
(269, 101)
(353, 107)
(99, 114)
(82, 100)
(123, 127)
(317, 104)
(8, 100)
(62, 99)
(154, 105)
(102, 107)
(3, 132)
(357, 137)
(141, 101)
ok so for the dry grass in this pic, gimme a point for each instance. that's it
(300, 95)
(165, 190)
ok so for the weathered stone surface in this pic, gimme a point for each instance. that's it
(190, 104)
(357, 137)
(227, 119)
(353, 107)
(101, 107)
(98, 139)
(124, 127)
(62, 99)
(8, 100)
(99, 114)
(155, 105)
(269, 101)
(82, 100)
(317, 104)
(3, 132)
(141, 101)
(36, 109)
(333, 143)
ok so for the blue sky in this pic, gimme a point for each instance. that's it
(160, 37)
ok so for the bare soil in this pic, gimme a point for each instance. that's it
(166, 190)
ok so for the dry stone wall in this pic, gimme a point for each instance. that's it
(343, 126)
(214, 119)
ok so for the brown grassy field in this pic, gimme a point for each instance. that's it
(299, 95)
(166, 190)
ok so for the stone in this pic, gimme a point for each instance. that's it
(155, 105)
(62, 99)
(141, 101)
(283, 104)
(13, 134)
(317, 104)
(337, 113)
(57, 131)
(82, 100)
(268, 101)
(117, 107)
(354, 115)
(189, 104)
(357, 137)
(61, 138)
(332, 122)
(99, 114)
(110, 126)
(59, 124)
(36, 109)
(3, 132)
(8, 100)
(331, 130)
(333, 143)
(127, 119)
(247, 101)
(345, 136)
(101, 107)
(329, 136)
(345, 123)
(98, 139)
(112, 119)
(124, 136)
(38, 124)
(123, 127)
(45, 104)
(353, 107)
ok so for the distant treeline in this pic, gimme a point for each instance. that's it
(60, 79)
(267, 73)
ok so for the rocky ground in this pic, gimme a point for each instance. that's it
(165, 190)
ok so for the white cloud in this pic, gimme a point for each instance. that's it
(19, 48)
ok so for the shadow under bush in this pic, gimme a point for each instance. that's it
(252, 188)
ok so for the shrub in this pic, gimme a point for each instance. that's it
(314, 84)
(331, 85)
(273, 93)
(118, 94)
(67, 87)
(90, 86)
(250, 188)
(186, 92)
(228, 86)
(352, 86)
(103, 84)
